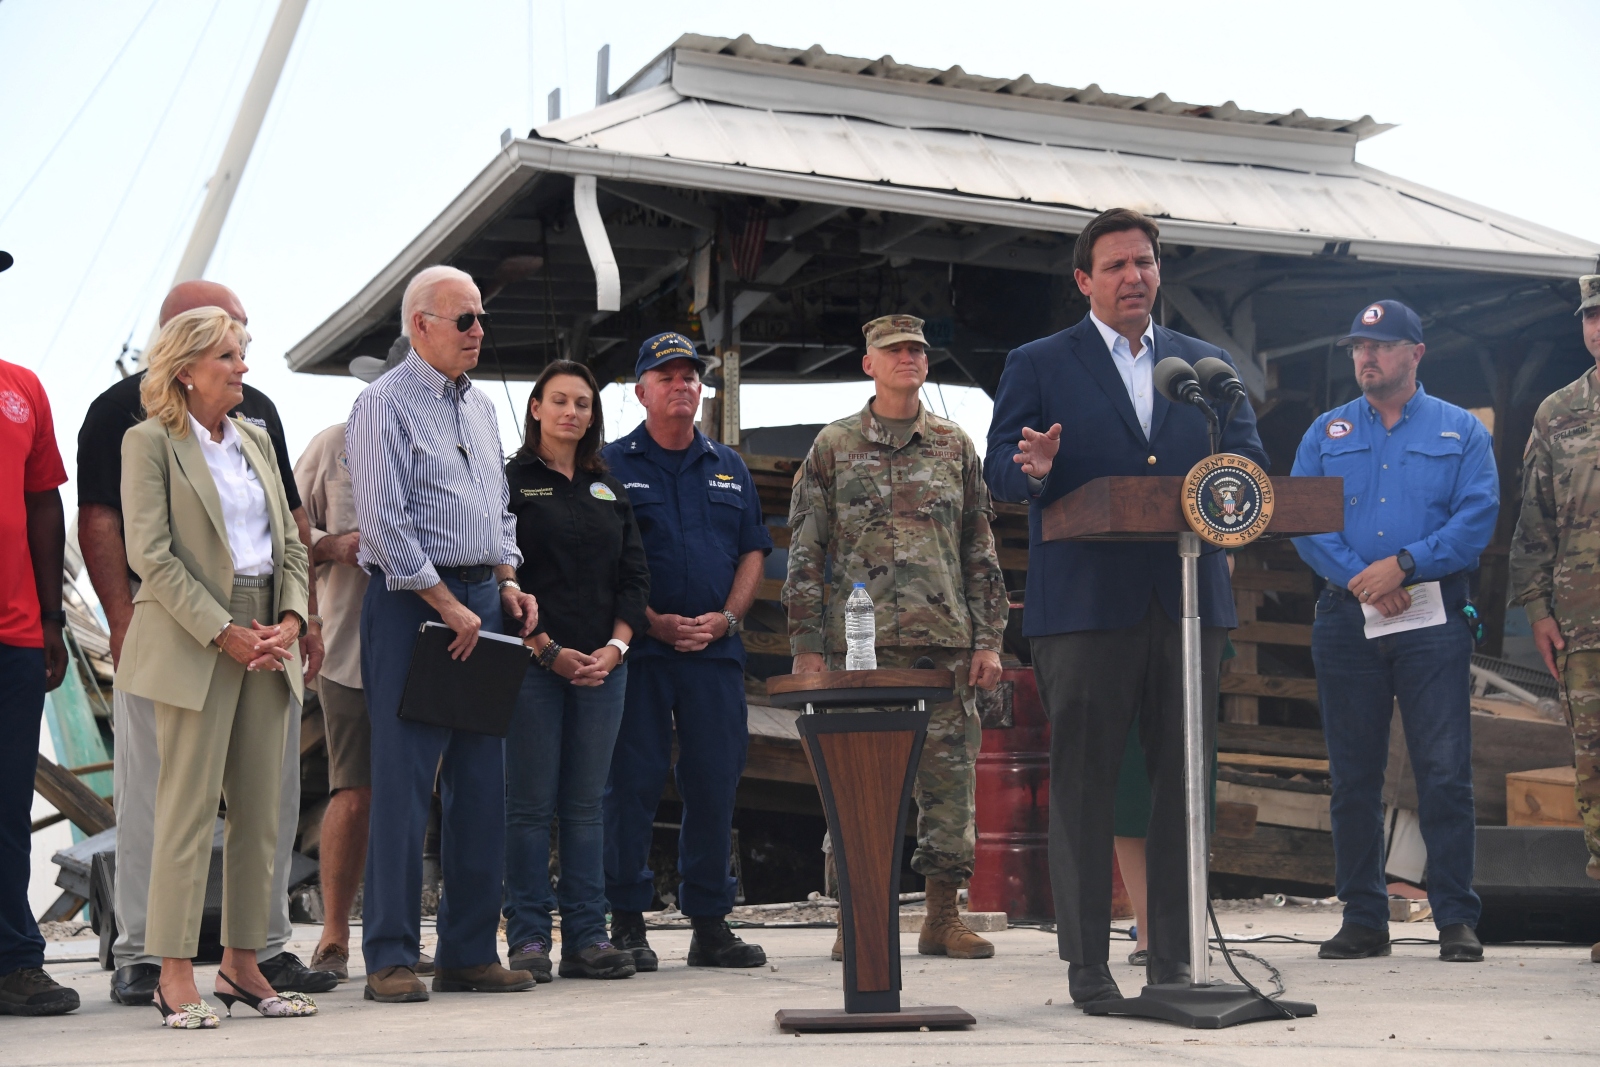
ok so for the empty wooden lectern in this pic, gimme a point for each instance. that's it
(864, 763)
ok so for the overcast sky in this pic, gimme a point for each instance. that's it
(113, 114)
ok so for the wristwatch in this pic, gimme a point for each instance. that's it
(1407, 564)
(733, 622)
(58, 617)
(511, 583)
(620, 645)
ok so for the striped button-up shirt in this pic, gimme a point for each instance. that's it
(428, 477)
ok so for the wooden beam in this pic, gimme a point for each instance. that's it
(66, 906)
(92, 768)
(72, 798)
(1276, 852)
(771, 644)
(1235, 819)
(1271, 740)
(1297, 634)
(1279, 807)
(1274, 581)
(1277, 763)
(1269, 685)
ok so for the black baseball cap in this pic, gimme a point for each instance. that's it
(662, 349)
(1385, 320)
(6, 261)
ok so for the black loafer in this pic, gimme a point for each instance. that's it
(1158, 971)
(714, 944)
(287, 973)
(135, 984)
(1458, 943)
(533, 957)
(1089, 982)
(599, 960)
(628, 934)
(1355, 942)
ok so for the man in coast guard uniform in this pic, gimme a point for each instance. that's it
(1421, 495)
(703, 534)
(1102, 618)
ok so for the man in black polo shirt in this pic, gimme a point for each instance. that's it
(138, 762)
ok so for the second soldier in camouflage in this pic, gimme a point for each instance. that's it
(1555, 559)
(899, 504)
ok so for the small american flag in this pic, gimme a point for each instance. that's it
(746, 244)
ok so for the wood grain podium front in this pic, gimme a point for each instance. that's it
(864, 763)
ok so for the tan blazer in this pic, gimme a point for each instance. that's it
(178, 546)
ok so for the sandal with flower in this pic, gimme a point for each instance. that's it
(279, 1006)
(196, 1016)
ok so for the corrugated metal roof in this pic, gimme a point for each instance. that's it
(818, 58)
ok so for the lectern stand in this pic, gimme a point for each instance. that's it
(1164, 509)
(864, 763)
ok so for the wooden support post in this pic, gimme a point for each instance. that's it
(72, 798)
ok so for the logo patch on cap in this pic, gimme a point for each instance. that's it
(1339, 427)
(1372, 316)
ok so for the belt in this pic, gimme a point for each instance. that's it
(1341, 593)
(479, 573)
(253, 581)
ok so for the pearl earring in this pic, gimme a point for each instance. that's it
(190, 387)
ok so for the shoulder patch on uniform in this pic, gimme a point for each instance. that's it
(1450, 433)
(1339, 428)
(601, 491)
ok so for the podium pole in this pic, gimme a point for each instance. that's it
(1195, 776)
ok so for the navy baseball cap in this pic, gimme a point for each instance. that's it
(6, 261)
(1385, 320)
(662, 349)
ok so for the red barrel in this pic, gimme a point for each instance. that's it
(1011, 871)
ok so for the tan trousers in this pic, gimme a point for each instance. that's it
(231, 749)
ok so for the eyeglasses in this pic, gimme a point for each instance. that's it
(464, 321)
(1377, 347)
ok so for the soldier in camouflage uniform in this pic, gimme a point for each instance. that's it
(896, 496)
(1555, 559)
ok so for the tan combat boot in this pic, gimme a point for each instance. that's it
(943, 932)
(837, 955)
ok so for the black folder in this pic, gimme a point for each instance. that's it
(477, 694)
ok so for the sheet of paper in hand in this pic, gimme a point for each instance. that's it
(1427, 609)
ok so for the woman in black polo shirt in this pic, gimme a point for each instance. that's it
(584, 562)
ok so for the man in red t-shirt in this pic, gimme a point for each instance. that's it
(33, 660)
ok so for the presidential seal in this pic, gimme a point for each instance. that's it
(1227, 500)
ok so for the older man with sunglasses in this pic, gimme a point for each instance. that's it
(430, 498)
(1421, 496)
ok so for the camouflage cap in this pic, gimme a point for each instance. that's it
(888, 330)
(1588, 292)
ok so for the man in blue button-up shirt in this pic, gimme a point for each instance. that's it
(700, 520)
(1421, 496)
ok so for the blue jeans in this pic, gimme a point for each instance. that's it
(406, 756)
(558, 754)
(1358, 681)
(21, 709)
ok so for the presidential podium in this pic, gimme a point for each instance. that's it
(864, 763)
(1228, 501)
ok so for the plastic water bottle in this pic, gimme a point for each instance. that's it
(860, 631)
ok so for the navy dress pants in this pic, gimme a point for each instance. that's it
(21, 709)
(405, 757)
(1358, 681)
(705, 699)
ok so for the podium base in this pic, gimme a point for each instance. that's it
(837, 1020)
(1211, 1007)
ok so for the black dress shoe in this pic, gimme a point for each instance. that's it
(1355, 942)
(1089, 982)
(287, 973)
(1458, 943)
(135, 984)
(628, 934)
(1158, 971)
(714, 944)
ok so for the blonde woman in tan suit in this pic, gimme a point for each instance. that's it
(213, 643)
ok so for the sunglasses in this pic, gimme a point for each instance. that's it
(464, 321)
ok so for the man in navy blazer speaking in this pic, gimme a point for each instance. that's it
(1102, 618)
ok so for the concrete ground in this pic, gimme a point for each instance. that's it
(1523, 1002)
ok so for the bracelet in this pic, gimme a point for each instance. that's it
(510, 583)
(313, 619)
(547, 658)
(619, 644)
(60, 619)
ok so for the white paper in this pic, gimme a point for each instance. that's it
(1427, 609)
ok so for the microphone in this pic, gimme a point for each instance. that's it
(924, 663)
(1219, 379)
(1176, 381)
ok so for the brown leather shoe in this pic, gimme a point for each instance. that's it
(395, 985)
(333, 959)
(484, 978)
(424, 967)
(837, 955)
(943, 932)
(1594, 953)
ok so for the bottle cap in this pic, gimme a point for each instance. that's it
(861, 585)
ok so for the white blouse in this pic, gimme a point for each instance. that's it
(244, 502)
